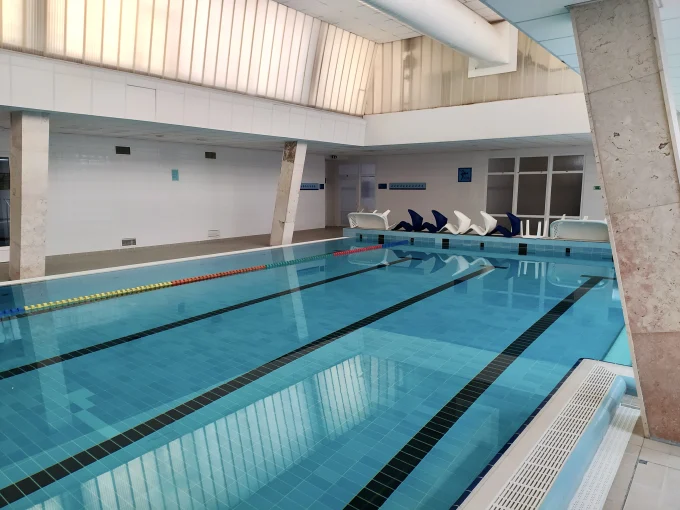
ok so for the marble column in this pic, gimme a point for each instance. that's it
(288, 193)
(292, 305)
(635, 135)
(29, 156)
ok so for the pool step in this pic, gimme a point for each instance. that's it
(598, 480)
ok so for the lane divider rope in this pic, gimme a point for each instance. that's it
(22, 311)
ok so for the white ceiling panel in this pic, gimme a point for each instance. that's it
(361, 19)
(561, 46)
(127, 129)
(483, 10)
(549, 23)
(356, 17)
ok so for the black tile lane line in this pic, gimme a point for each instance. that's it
(603, 277)
(390, 477)
(172, 325)
(57, 471)
(514, 437)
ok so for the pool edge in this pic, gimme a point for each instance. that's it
(37, 279)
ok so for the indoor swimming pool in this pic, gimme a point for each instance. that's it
(325, 379)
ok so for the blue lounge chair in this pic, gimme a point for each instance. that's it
(515, 224)
(440, 221)
(415, 226)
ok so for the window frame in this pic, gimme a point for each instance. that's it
(546, 217)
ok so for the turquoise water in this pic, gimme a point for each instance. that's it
(620, 352)
(373, 352)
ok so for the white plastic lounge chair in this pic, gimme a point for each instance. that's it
(464, 265)
(370, 221)
(582, 230)
(489, 224)
(541, 232)
(463, 224)
(368, 258)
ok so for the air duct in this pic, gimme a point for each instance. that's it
(457, 26)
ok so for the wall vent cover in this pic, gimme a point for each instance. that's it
(122, 150)
(408, 185)
(210, 155)
(213, 233)
(536, 474)
(130, 241)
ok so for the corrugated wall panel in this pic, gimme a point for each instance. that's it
(128, 33)
(258, 47)
(143, 37)
(421, 73)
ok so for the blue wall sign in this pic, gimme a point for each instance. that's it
(465, 175)
(309, 186)
(175, 174)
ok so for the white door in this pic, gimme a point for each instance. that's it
(349, 196)
(348, 201)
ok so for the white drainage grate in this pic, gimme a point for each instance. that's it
(597, 481)
(534, 477)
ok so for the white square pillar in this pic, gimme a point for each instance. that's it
(29, 157)
(288, 193)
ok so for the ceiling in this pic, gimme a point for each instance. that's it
(356, 17)
(549, 23)
(365, 21)
(484, 11)
(121, 128)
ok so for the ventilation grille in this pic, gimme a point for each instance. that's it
(600, 475)
(131, 241)
(408, 185)
(534, 477)
(213, 233)
(210, 155)
(122, 150)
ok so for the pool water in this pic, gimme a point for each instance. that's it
(381, 379)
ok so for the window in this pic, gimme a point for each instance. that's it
(499, 193)
(537, 188)
(4, 201)
(502, 165)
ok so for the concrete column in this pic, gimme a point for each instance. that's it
(29, 156)
(635, 131)
(288, 193)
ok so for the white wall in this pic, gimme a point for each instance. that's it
(96, 198)
(28, 81)
(445, 194)
(311, 212)
(563, 114)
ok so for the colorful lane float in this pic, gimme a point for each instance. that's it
(23, 311)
